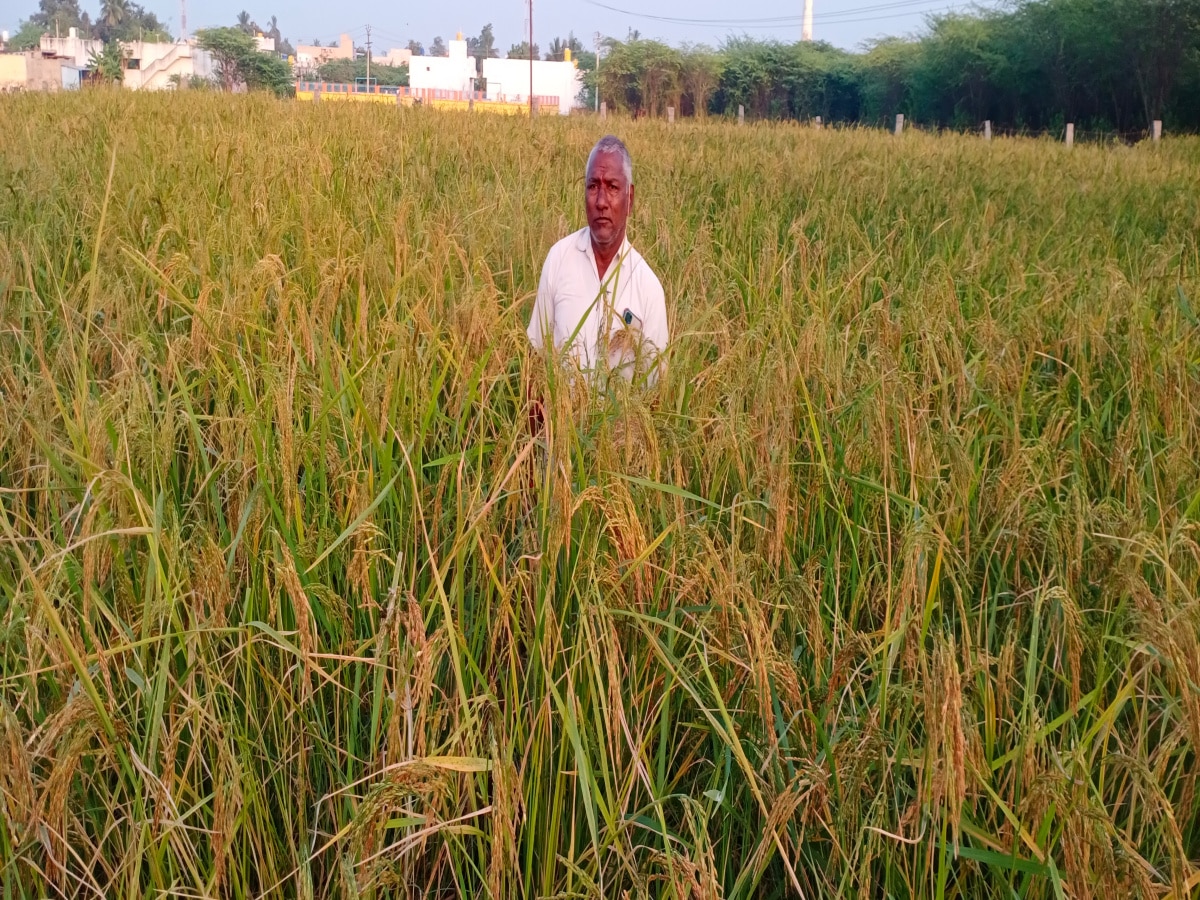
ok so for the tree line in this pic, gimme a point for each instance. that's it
(1107, 65)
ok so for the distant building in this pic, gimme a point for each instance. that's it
(149, 65)
(72, 47)
(33, 71)
(453, 72)
(394, 57)
(153, 66)
(508, 80)
(310, 56)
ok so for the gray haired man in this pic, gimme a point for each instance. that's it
(598, 298)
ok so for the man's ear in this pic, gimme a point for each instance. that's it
(630, 210)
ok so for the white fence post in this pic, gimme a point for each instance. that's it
(817, 121)
(741, 114)
(899, 122)
(1156, 130)
(670, 115)
(1070, 134)
(603, 109)
(987, 130)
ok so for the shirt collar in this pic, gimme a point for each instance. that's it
(584, 245)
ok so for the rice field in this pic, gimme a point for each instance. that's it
(888, 588)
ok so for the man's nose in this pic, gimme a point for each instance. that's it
(602, 200)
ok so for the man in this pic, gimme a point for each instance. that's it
(598, 299)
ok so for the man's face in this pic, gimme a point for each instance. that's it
(609, 198)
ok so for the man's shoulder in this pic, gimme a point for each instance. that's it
(571, 242)
(643, 271)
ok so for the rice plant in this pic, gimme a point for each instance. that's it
(887, 588)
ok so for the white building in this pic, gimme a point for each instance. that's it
(149, 66)
(310, 56)
(455, 72)
(72, 47)
(508, 79)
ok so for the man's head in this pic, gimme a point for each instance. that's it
(608, 192)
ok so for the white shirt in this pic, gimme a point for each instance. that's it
(587, 316)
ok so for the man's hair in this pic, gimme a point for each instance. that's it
(610, 143)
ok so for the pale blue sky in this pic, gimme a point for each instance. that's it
(846, 23)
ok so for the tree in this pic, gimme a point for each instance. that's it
(559, 45)
(438, 47)
(245, 24)
(113, 12)
(521, 51)
(239, 62)
(484, 46)
(700, 73)
(28, 36)
(415, 48)
(59, 15)
(108, 64)
(346, 71)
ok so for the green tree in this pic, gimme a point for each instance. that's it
(239, 62)
(415, 48)
(521, 51)
(28, 36)
(346, 71)
(59, 15)
(484, 46)
(438, 47)
(700, 73)
(113, 12)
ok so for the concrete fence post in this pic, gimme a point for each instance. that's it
(899, 122)
(1156, 130)
(670, 115)
(603, 109)
(817, 121)
(1070, 134)
(987, 130)
(741, 114)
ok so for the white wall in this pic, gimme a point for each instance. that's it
(158, 62)
(508, 79)
(455, 72)
(72, 46)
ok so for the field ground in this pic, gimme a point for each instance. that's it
(888, 589)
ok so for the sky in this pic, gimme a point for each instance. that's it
(844, 23)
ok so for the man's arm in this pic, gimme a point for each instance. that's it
(541, 327)
(541, 320)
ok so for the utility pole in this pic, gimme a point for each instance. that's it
(369, 58)
(806, 34)
(183, 20)
(531, 61)
(597, 71)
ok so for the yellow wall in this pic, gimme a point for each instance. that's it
(12, 70)
(508, 109)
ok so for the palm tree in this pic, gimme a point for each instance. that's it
(244, 23)
(114, 12)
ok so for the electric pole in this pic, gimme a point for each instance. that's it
(369, 56)
(806, 34)
(183, 20)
